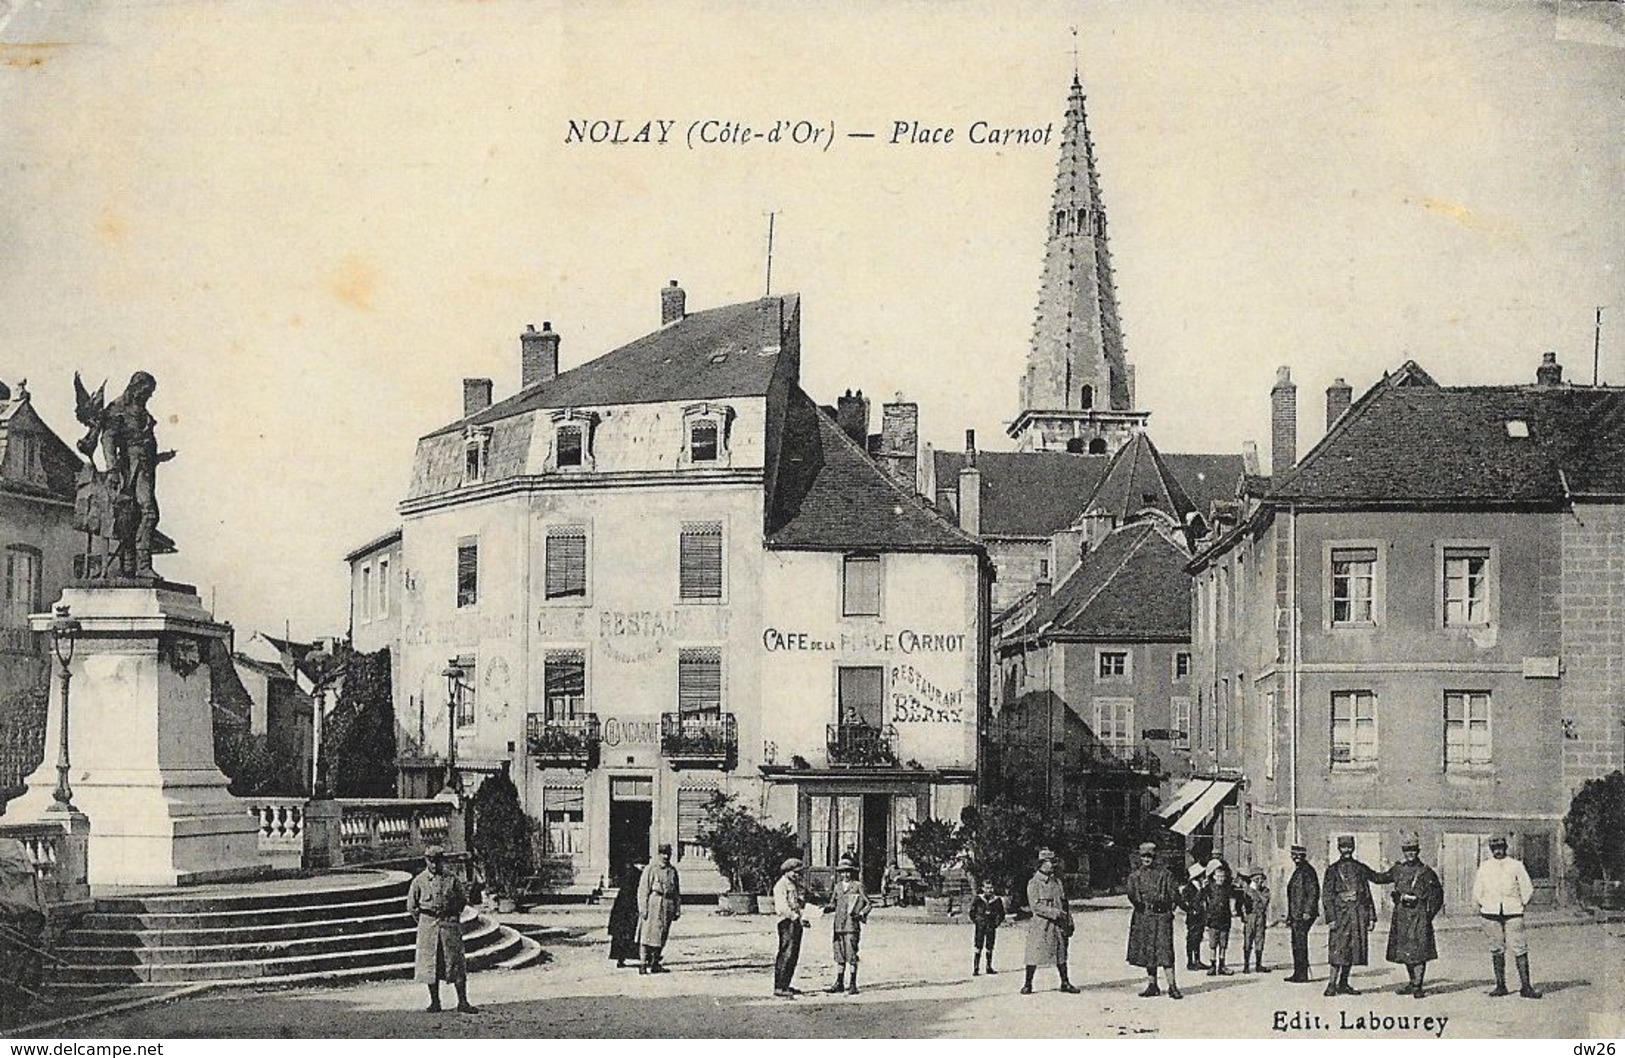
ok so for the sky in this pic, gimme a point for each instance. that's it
(311, 220)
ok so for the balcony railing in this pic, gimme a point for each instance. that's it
(1106, 757)
(699, 738)
(569, 743)
(862, 746)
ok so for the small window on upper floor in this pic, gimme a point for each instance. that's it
(860, 586)
(571, 446)
(476, 450)
(1086, 397)
(573, 439)
(702, 441)
(706, 429)
(1182, 664)
(468, 572)
(1467, 587)
(383, 587)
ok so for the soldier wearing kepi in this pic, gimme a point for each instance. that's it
(1501, 889)
(1350, 915)
(1302, 908)
(1152, 892)
(849, 908)
(1418, 898)
(1051, 927)
(660, 903)
(436, 901)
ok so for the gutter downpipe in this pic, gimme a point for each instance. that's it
(1296, 672)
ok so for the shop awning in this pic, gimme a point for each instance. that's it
(1202, 807)
(1183, 797)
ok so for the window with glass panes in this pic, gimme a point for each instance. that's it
(1113, 664)
(23, 567)
(1181, 709)
(834, 828)
(564, 820)
(699, 681)
(566, 563)
(860, 690)
(564, 678)
(1354, 580)
(1354, 728)
(860, 587)
(570, 446)
(1114, 723)
(1466, 728)
(700, 561)
(467, 686)
(468, 571)
(702, 441)
(1466, 586)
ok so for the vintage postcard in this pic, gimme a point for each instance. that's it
(992, 520)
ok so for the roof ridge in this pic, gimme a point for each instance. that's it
(912, 495)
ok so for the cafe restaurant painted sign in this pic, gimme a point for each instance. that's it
(908, 641)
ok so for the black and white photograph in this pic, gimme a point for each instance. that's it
(1038, 520)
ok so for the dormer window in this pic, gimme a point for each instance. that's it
(476, 448)
(573, 439)
(1517, 428)
(706, 434)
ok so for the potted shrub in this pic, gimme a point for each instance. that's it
(1595, 820)
(745, 850)
(933, 844)
(502, 838)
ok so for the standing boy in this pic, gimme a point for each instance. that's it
(1256, 919)
(850, 908)
(987, 912)
(788, 902)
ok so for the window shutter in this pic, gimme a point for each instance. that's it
(699, 682)
(862, 588)
(700, 561)
(468, 572)
(566, 563)
(691, 813)
(860, 692)
(564, 798)
(564, 675)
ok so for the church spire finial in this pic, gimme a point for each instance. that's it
(1076, 83)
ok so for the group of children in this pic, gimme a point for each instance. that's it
(1210, 898)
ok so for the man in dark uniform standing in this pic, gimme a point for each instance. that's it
(1153, 891)
(1418, 897)
(1350, 915)
(1302, 908)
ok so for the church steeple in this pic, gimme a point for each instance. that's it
(1078, 391)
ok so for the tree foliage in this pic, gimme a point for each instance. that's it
(1595, 828)
(358, 737)
(747, 851)
(256, 766)
(1002, 840)
(933, 844)
(502, 833)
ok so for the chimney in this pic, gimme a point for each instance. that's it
(970, 489)
(1339, 395)
(538, 355)
(1283, 422)
(1550, 372)
(673, 303)
(852, 416)
(900, 441)
(476, 395)
(1249, 457)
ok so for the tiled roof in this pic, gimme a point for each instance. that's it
(1410, 440)
(1598, 466)
(1139, 480)
(1036, 494)
(1132, 586)
(830, 495)
(723, 352)
(60, 463)
(377, 543)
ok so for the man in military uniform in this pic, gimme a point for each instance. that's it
(1302, 909)
(1418, 898)
(660, 903)
(1501, 889)
(1152, 892)
(1350, 915)
(436, 901)
(1051, 925)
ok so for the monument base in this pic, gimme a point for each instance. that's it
(141, 741)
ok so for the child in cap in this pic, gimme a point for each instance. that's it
(1255, 919)
(987, 912)
(849, 907)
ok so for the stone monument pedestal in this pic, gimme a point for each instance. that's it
(141, 740)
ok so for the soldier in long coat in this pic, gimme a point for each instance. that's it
(1153, 891)
(660, 903)
(1051, 925)
(1350, 915)
(623, 918)
(1302, 909)
(436, 900)
(1418, 898)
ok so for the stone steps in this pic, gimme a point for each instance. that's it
(331, 928)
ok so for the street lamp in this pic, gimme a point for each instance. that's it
(322, 665)
(64, 630)
(454, 696)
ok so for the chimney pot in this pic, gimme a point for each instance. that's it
(1339, 395)
(538, 354)
(900, 442)
(1550, 372)
(673, 303)
(1283, 422)
(852, 416)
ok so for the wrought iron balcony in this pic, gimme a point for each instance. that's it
(569, 743)
(705, 739)
(862, 746)
(1104, 757)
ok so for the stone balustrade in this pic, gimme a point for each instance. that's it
(281, 823)
(373, 829)
(58, 851)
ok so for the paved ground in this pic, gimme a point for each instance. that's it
(917, 983)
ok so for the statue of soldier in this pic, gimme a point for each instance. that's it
(120, 503)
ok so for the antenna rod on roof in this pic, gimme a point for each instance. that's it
(771, 214)
(1596, 346)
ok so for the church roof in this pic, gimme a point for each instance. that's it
(830, 495)
(1132, 586)
(1137, 480)
(723, 352)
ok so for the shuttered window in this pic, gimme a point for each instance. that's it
(564, 672)
(699, 682)
(691, 820)
(468, 571)
(702, 441)
(566, 563)
(700, 561)
(860, 589)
